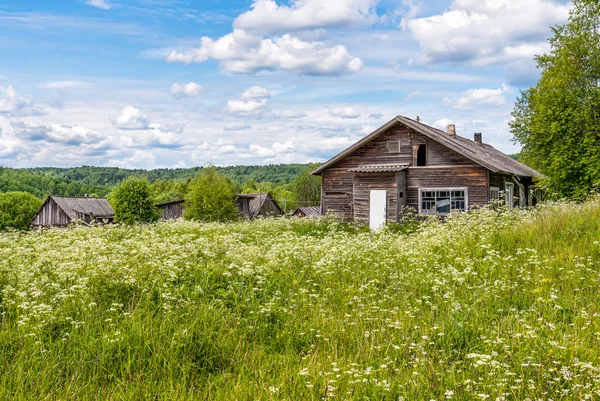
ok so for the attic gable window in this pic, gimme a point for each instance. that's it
(393, 146)
(441, 201)
(419, 154)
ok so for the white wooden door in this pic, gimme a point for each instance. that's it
(377, 208)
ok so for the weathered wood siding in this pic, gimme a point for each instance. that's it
(269, 208)
(346, 194)
(364, 183)
(336, 192)
(474, 178)
(173, 210)
(498, 180)
(50, 215)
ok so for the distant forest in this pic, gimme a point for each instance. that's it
(78, 181)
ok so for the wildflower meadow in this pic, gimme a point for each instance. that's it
(490, 305)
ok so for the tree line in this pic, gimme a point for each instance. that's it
(209, 195)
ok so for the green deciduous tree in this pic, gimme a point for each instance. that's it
(307, 187)
(558, 120)
(132, 201)
(210, 197)
(17, 209)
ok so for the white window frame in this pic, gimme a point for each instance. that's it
(509, 202)
(421, 190)
(497, 190)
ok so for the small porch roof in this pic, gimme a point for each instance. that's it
(379, 168)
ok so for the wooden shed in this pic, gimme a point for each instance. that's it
(255, 205)
(60, 211)
(408, 163)
(171, 210)
(307, 211)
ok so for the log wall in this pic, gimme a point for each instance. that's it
(173, 210)
(50, 215)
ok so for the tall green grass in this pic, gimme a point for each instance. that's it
(491, 305)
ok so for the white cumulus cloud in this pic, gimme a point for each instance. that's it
(252, 100)
(256, 92)
(56, 133)
(131, 118)
(245, 53)
(269, 17)
(191, 89)
(344, 112)
(13, 105)
(484, 32)
(478, 97)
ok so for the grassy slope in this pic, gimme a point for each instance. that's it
(492, 303)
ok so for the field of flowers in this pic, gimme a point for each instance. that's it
(491, 305)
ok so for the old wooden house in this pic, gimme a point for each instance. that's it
(61, 211)
(255, 205)
(408, 163)
(172, 209)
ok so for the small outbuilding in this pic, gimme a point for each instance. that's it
(307, 211)
(255, 205)
(172, 209)
(61, 211)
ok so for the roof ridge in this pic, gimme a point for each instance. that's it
(486, 156)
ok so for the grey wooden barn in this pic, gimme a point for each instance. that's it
(408, 163)
(60, 211)
(255, 205)
(171, 210)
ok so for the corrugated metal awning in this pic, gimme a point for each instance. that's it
(379, 168)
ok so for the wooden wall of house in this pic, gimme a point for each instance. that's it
(364, 183)
(336, 192)
(475, 178)
(50, 215)
(172, 210)
(498, 180)
(445, 168)
(376, 151)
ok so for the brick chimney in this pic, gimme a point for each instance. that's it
(451, 129)
(477, 138)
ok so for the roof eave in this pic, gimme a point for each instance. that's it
(355, 146)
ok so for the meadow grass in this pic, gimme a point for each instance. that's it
(491, 305)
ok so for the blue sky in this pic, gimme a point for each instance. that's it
(174, 83)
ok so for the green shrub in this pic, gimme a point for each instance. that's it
(132, 201)
(17, 209)
(210, 197)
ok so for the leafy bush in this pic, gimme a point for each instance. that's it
(210, 197)
(132, 201)
(17, 209)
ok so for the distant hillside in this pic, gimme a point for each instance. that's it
(77, 181)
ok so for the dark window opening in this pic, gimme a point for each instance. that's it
(400, 194)
(422, 155)
(335, 194)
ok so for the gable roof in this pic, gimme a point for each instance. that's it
(169, 202)
(71, 205)
(257, 202)
(309, 210)
(482, 154)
